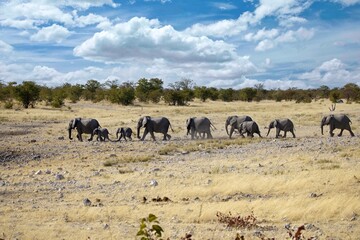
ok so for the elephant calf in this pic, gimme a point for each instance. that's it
(339, 121)
(284, 124)
(125, 132)
(102, 134)
(249, 127)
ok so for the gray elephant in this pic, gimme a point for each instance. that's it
(83, 125)
(102, 134)
(336, 121)
(284, 124)
(249, 127)
(125, 132)
(199, 125)
(234, 122)
(151, 125)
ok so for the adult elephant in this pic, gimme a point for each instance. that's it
(284, 124)
(234, 122)
(83, 125)
(336, 121)
(199, 125)
(151, 125)
(249, 127)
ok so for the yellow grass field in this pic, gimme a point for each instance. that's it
(313, 179)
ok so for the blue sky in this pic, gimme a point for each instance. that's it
(279, 43)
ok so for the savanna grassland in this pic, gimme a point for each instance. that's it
(312, 179)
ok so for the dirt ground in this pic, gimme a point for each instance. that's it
(311, 180)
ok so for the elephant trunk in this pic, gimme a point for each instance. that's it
(138, 131)
(226, 128)
(322, 129)
(70, 134)
(268, 132)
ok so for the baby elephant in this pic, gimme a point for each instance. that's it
(284, 124)
(125, 132)
(249, 127)
(102, 134)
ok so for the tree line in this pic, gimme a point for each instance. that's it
(152, 90)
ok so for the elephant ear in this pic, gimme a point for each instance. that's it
(276, 122)
(145, 121)
(74, 123)
(233, 121)
(188, 122)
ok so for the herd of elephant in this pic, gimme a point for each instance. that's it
(199, 127)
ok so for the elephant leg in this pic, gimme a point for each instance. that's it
(209, 136)
(341, 131)
(231, 131)
(168, 136)
(152, 135)
(277, 132)
(145, 133)
(285, 134)
(79, 137)
(351, 132)
(292, 131)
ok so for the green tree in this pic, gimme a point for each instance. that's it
(227, 95)
(93, 91)
(247, 94)
(27, 93)
(351, 92)
(202, 93)
(185, 91)
(123, 94)
(149, 90)
(75, 92)
(334, 95)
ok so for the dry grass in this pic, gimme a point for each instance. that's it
(311, 179)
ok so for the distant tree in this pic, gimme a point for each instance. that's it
(351, 92)
(202, 93)
(247, 94)
(27, 93)
(123, 94)
(149, 90)
(75, 92)
(334, 95)
(227, 95)
(7, 91)
(93, 91)
(323, 91)
(182, 91)
(214, 93)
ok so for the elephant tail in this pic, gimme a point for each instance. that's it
(171, 127)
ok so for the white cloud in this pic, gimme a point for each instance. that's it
(89, 19)
(262, 34)
(332, 73)
(54, 33)
(346, 2)
(5, 48)
(302, 34)
(146, 39)
(224, 6)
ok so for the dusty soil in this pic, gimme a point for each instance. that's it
(311, 180)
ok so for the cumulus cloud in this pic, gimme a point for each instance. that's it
(146, 39)
(54, 33)
(332, 73)
(5, 48)
(302, 34)
(262, 34)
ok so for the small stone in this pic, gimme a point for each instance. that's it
(106, 226)
(112, 155)
(87, 202)
(39, 172)
(33, 141)
(35, 157)
(154, 183)
(185, 152)
(48, 171)
(61, 138)
(59, 177)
